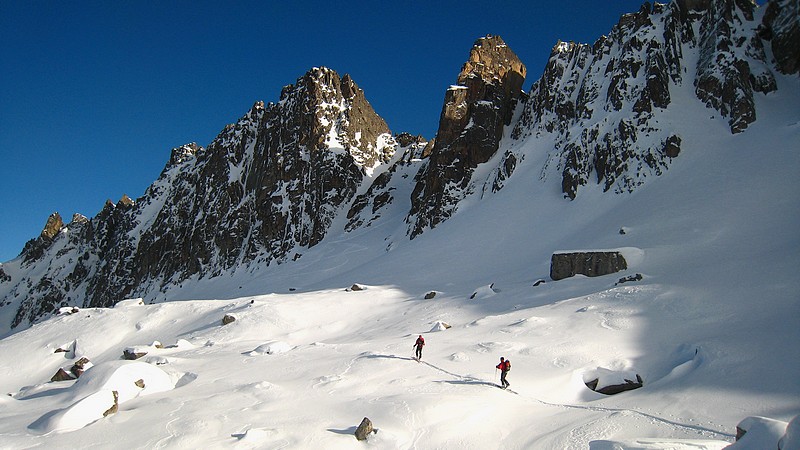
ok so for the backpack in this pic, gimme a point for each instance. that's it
(508, 366)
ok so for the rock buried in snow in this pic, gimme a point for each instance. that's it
(80, 366)
(364, 429)
(228, 319)
(430, 295)
(270, 348)
(115, 407)
(355, 288)
(62, 375)
(610, 382)
(484, 292)
(440, 326)
(131, 354)
(629, 278)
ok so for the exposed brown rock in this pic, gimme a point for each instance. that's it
(228, 319)
(62, 375)
(364, 429)
(471, 123)
(114, 408)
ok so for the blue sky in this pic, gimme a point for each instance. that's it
(94, 95)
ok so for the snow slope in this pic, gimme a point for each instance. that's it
(712, 328)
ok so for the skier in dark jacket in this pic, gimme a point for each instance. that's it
(504, 366)
(418, 345)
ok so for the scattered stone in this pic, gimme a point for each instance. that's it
(364, 429)
(538, 283)
(430, 295)
(591, 264)
(228, 319)
(139, 383)
(62, 375)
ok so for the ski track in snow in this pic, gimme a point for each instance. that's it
(610, 411)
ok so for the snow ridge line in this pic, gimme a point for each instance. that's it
(472, 380)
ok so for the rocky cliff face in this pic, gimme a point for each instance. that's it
(475, 112)
(273, 184)
(602, 105)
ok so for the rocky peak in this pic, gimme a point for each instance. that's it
(36, 248)
(471, 124)
(52, 227)
(183, 153)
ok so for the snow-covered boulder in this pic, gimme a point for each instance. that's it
(609, 382)
(129, 302)
(759, 432)
(270, 348)
(100, 390)
(440, 326)
(484, 292)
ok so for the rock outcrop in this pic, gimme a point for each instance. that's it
(591, 264)
(475, 112)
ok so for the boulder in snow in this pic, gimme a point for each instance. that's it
(62, 375)
(610, 382)
(131, 353)
(364, 429)
(590, 263)
(484, 292)
(355, 288)
(80, 366)
(228, 319)
(440, 326)
(430, 295)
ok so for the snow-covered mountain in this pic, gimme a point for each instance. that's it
(673, 141)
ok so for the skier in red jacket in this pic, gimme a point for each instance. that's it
(418, 345)
(504, 366)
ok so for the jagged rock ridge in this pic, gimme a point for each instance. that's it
(602, 104)
(266, 188)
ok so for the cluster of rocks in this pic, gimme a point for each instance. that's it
(74, 372)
